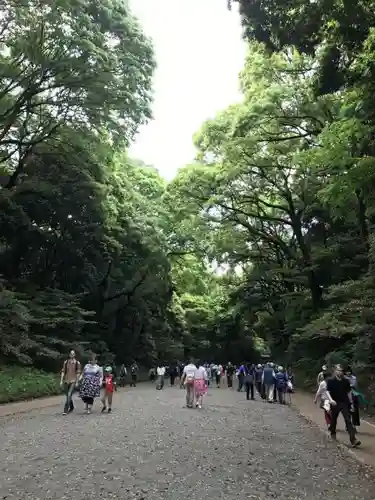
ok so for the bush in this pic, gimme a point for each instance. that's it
(17, 384)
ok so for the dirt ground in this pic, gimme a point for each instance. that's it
(151, 447)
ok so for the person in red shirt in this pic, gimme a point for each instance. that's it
(109, 387)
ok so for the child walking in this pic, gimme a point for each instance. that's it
(109, 386)
(325, 399)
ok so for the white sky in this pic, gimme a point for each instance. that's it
(199, 52)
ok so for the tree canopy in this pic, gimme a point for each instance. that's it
(263, 244)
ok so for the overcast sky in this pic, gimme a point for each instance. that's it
(199, 52)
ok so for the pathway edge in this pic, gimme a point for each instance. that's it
(369, 468)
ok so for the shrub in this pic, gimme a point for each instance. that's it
(17, 384)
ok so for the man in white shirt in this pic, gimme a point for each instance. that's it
(188, 378)
(160, 372)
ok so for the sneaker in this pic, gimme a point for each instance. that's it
(109, 410)
(356, 443)
(333, 436)
(104, 409)
(65, 412)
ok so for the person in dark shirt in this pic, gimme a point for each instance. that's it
(230, 372)
(339, 389)
(249, 381)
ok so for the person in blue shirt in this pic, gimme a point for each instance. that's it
(281, 379)
(268, 381)
(241, 375)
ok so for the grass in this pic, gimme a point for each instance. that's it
(18, 384)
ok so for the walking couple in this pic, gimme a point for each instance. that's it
(195, 380)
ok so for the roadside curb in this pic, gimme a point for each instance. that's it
(21, 407)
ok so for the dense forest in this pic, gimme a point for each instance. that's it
(265, 242)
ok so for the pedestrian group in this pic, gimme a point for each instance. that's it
(337, 390)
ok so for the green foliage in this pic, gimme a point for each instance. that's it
(26, 383)
(282, 197)
(84, 239)
(264, 243)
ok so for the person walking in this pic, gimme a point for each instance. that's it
(218, 373)
(122, 375)
(355, 397)
(134, 374)
(229, 373)
(90, 383)
(160, 373)
(324, 399)
(109, 385)
(281, 380)
(209, 375)
(321, 375)
(258, 372)
(268, 380)
(241, 376)
(151, 375)
(188, 380)
(249, 381)
(70, 374)
(340, 392)
(173, 373)
(200, 384)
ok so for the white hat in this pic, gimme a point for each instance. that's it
(324, 368)
(280, 368)
(259, 366)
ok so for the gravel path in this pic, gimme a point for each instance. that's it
(151, 448)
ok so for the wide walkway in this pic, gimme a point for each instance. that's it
(152, 448)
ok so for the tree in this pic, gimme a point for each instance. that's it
(86, 64)
(284, 188)
(80, 260)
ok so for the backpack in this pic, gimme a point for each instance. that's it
(189, 379)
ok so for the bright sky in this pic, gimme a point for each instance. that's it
(199, 52)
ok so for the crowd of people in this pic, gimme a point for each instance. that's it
(94, 381)
(272, 383)
(337, 390)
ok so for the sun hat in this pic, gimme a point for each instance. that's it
(108, 369)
